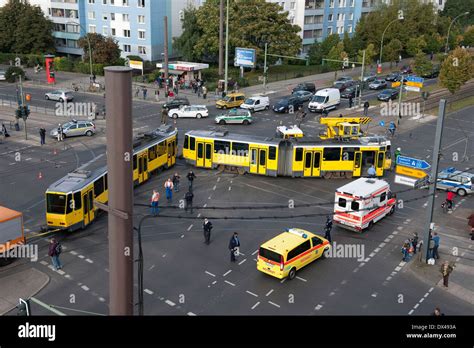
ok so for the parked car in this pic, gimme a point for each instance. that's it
(378, 84)
(388, 94)
(285, 103)
(304, 96)
(176, 103)
(256, 103)
(343, 79)
(2, 75)
(194, 111)
(232, 100)
(349, 92)
(406, 69)
(235, 116)
(341, 86)
(59, 95)
(393, 77)
(369, 78)
(75, 128)
(305, 86)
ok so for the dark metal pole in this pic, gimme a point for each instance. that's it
(434, 176)
(120, 185)
(166, 46)
(221, 38)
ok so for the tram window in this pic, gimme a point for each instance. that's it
(383, 196)
(192, 143)
(272, 152)
(299, 154)
(317, 159)
(55, 204)
(332, 154)
(380, 160)
(152, 153)
(240, 149)
(200, 150)
(134, 162)
(348, 153)
(69, 204)
(106, 183)
(98, 187)
(342, 202)
(77, 201)
(208, 151)
(355, 206)
(307, 160)
(263, 157)
(186, 142)
(253, 157)
(161, 149)
(222, 147)
(388, 153)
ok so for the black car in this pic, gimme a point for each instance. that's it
(432, 74)
(349, 92)
(388, 94)
(176, 103)
(306, 86)
(394, 77)
(341, 86)
(284, 104)
(406, 70)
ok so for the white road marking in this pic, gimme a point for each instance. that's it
(282, 281)
(229, 283)
(209, 197)
(398, 268)
(73, 252)
(268, 293)
(255, 305)
(205, 205)
(251, 293)
(381, 245)
(212, 275)
(199, 215)
(332, 293)
(395, 232)
(85, 288)
(61, 272)
(416, 306)
(214, 282)
(255, 260)
(356, 270)
(256, 251)
(218, 179)
(89, 260)
(101, 299)
(400, 228)
(230, 188)
(214, 188)
(372, 255)
(190, 226)
(241, 262)
(274, 304)
(388, 278)
(81, 256)
(152, 266)
(148, 291)
(191, 314)
(171, 303)
(410, 312)
(67, 276)
(387, 240)
(182, 236)
(374, 294)
(430, 289)
(318, 307)
(226, 273)
(44, 263)
(376, 250)
(362, 264)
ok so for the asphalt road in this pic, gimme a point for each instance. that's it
(183, 276)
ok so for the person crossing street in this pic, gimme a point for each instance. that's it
(207, 227)
(191, 176)
(328, 229)
(42, 133)
(176, 179)
(155, 198)
(189, 201)
(234, 245)
(169, 190)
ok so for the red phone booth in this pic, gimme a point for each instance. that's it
(50, 73)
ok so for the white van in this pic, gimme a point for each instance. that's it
(256, 103)
(325, 99)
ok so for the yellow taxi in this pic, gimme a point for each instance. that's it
(290, 251)
(232, 100)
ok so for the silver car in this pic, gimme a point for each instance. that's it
(59, 95)
(2, 75)
(75, 128)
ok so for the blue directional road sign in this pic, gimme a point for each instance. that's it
(412, 162)
(416, 79)
(382, 124)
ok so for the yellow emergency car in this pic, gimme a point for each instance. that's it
(290, 251)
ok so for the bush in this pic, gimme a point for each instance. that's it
(242, 82)
(84, 68)
(63, 64)
(13, 72)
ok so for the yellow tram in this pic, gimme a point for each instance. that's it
(69, 201)
(295, 157)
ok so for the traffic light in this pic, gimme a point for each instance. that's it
(23, 307)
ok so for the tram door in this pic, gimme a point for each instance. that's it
(357, 163)
(143, 167)
(204, 154)
(312, 163)
(172, 153)
(258, 160)
(88, 206)
(380, 163)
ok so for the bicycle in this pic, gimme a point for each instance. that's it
(445, 206)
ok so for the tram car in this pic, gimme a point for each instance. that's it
(69, 201)
(293, 157)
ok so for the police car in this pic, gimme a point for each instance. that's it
(457, 181)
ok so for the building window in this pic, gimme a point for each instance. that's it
(331, 3)
(351, 17)
(92, 29)
(104, 2)
(104, 17)
(126, 33)
(329, 30)
(105, 31)
(112, 16)
(127, 48)
(292, 5)
(113, 32)
(339, 17)
(141, 50)
(141, 3)
(125, 17)
(91, 15)
(352, 3)
(308, 19)
(125, 2)
(91, 1)
(330, 16)
(141, 19)
(141, 34)
(349, 29)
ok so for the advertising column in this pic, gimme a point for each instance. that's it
(50, 74)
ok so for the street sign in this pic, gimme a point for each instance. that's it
(382, 124)
(404, 180)
(396, 84)
(412, 88)
(412, 162)
(245, 57)
(416, 79)
(411, 172)
(422, 182)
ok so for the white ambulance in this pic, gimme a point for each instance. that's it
(363, 202)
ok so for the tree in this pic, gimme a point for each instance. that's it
(315, 54)
(468, 39)
(251, 24)
(456, 70)
(105, 50)
(186, 43)
(329, 43)
(336, 53)
(25, 29)
(415, 45)
(13, 72)
(392, 51)
(348, 47)
(422, 65)
(370, 54)
(453, 8)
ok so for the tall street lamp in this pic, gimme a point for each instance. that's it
(226, 67)
(400, 17)
(446, 49)
(88, 42)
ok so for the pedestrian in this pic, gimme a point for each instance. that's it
(392, 128)
(199, 91)
(42, 133)
(169, 190)
(371, 172)
(449, 199)
(60, 132)
(189, 200)
(155, 199)
(414, 242)
(350, 102)
(164, 115)
(446, 270)
(176, 178)
(436, 241)
(328, 228)
(204, 92)
(191, 176)
(470, 223)
(175, 89)
(94, 78)
(340, 115)
(4, 131)
(437, 312)
(54, 251)
(144, 91)
(234, 245)
(406, 251)
(137, 92)
(431, 246)
(207, 227)
(157, 95)
(366, 108)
